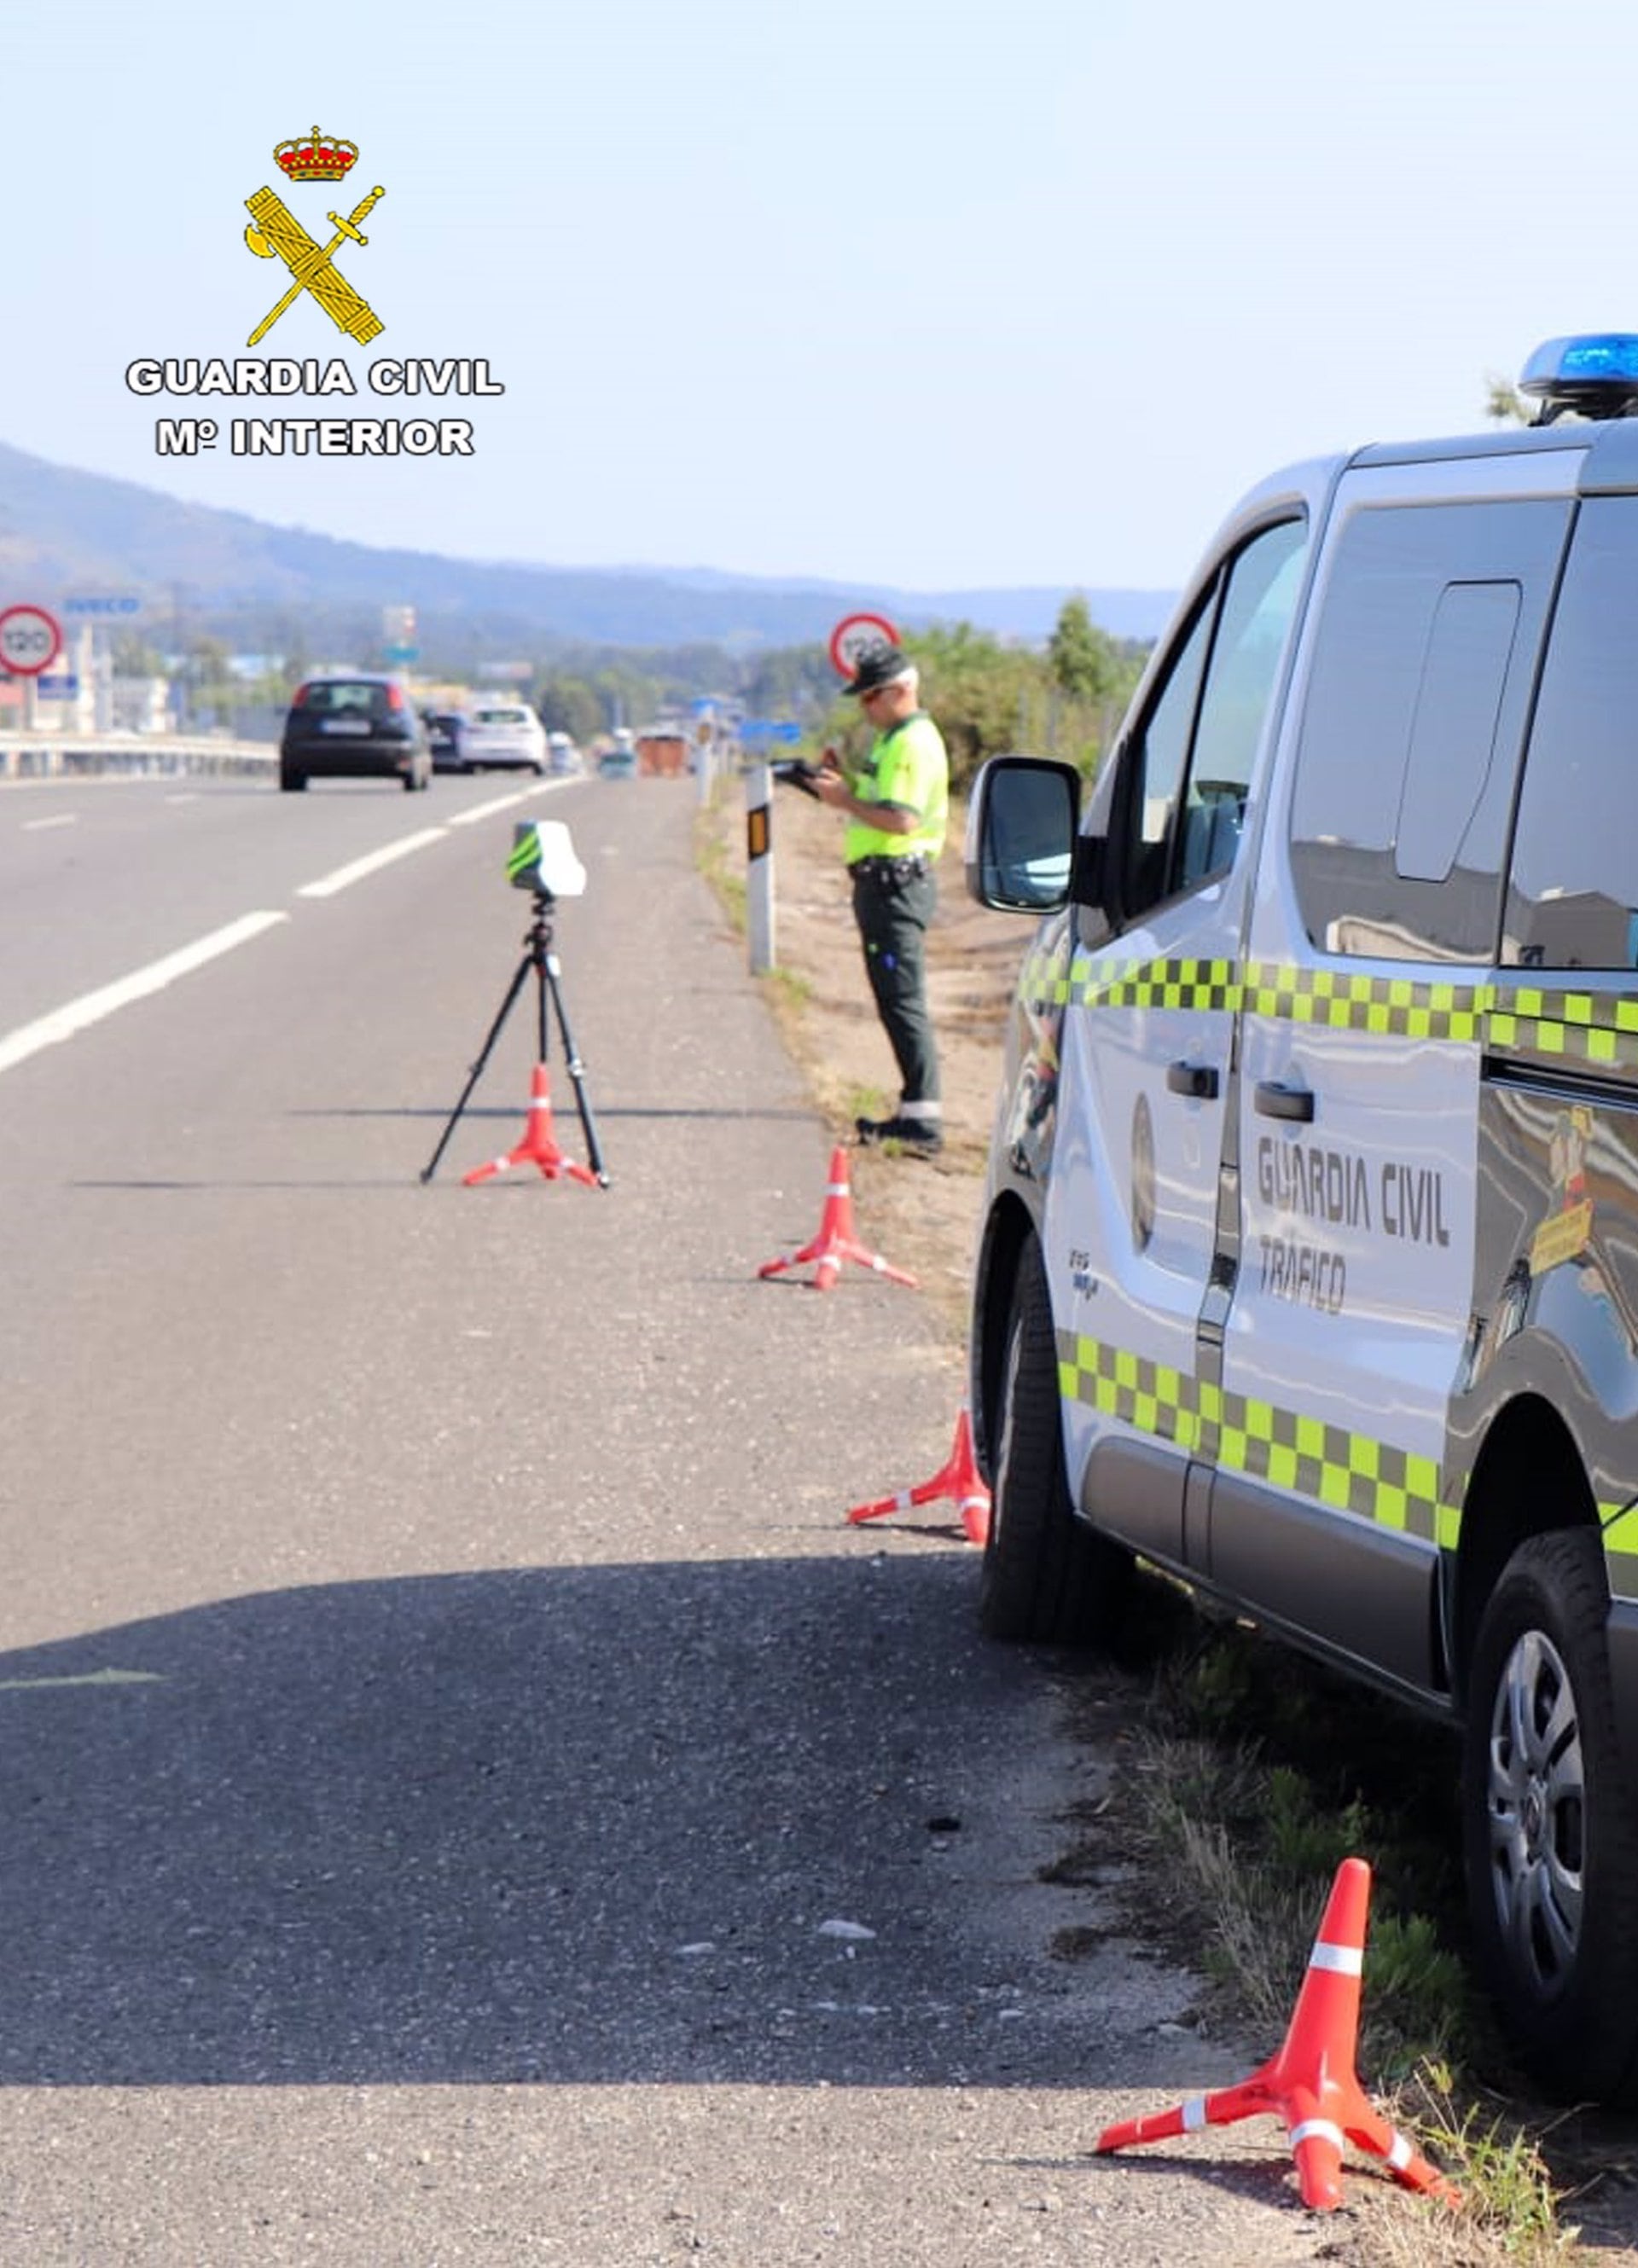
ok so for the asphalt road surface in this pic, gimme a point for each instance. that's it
(468, 1796)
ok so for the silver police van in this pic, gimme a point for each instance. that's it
(1309, 1269)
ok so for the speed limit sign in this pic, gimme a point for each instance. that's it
(30, 640)
(854, 637)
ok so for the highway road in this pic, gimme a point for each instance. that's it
(468, 1796)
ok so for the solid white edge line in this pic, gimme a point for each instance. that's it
(327, 884)
(91, 1007)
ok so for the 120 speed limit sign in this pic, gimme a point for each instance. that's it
(854, 637)
(30, 640)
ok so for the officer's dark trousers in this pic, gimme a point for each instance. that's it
(892, 911)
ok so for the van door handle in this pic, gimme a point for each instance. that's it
(1275, 1100)
(1197, 1079)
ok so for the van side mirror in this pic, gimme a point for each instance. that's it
(1021, 826)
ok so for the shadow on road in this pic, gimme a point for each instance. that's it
(585, 1824)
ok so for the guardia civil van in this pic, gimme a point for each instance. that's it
(1309, 1269)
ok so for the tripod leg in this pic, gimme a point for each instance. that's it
(576, 1069)
(513, 990)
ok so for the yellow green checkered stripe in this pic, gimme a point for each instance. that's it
(1600, 1028)
(1594, 1028)
(1043, 980)
(1349, 1471)
(1620, 1524)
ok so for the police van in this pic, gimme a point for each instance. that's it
(1309, 1268)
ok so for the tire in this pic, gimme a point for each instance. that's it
(290, 781)
(1046, 1576)
(1550, 1827)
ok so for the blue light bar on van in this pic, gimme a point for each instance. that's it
(1595, 373)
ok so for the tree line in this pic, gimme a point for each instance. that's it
(987, 695)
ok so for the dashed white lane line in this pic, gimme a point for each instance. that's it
(499, 803)
(327, 884)
(91, 1007)
(63, 1023)
(57, 819)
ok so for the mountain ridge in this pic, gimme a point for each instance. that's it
(63, 530)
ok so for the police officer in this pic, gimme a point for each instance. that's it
(896, 804)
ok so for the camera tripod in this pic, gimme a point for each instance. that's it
(537, 1147)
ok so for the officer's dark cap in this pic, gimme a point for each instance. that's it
(883, 665)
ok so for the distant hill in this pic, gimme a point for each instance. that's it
(62, 532)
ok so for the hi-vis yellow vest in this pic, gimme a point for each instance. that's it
(907, 765)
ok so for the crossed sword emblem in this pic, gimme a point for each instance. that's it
(277, 229)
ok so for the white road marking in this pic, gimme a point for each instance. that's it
(327, 884)
(91, 1007)
(59, 819)
(63, 1023)
(504, 802)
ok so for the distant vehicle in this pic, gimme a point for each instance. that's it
(503, 736)
(617, 762)
(564, 759)
(664, 752)
(446, 729)
(357, 727)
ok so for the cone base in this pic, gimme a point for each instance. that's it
(537, 1148)
(836, 1242)
(1311, 2083)
(957, 1477)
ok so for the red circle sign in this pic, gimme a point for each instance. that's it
(854, 637)
(30, 640)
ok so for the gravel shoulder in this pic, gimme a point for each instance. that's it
(922, 1214)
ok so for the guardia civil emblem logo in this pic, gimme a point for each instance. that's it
(275, 232)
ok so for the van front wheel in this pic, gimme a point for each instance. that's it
(1046, 1576)
(1550, 1826)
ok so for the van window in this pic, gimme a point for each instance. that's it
(1573, 902)
(1453, 732)
(1427, 630)
(1192, 758)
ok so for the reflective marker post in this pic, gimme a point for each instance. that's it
(759, 866)
(754, 732)
(705, 742)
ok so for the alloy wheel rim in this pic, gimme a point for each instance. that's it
(1537, 1813)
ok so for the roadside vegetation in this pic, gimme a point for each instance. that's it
(1249, 1774)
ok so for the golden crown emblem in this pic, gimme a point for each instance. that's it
(313, 157)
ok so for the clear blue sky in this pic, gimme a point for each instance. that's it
(881, 291)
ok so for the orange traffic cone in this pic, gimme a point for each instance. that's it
(537, 1147)
(1311, 2083)
(958, 1476)
(836, 1240)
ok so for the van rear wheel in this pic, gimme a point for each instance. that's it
(1550, 1826)
(1046, 1576)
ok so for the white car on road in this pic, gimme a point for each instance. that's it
(502, 736)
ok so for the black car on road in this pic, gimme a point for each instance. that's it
(357, 727)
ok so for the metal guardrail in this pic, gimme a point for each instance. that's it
(65, 755)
